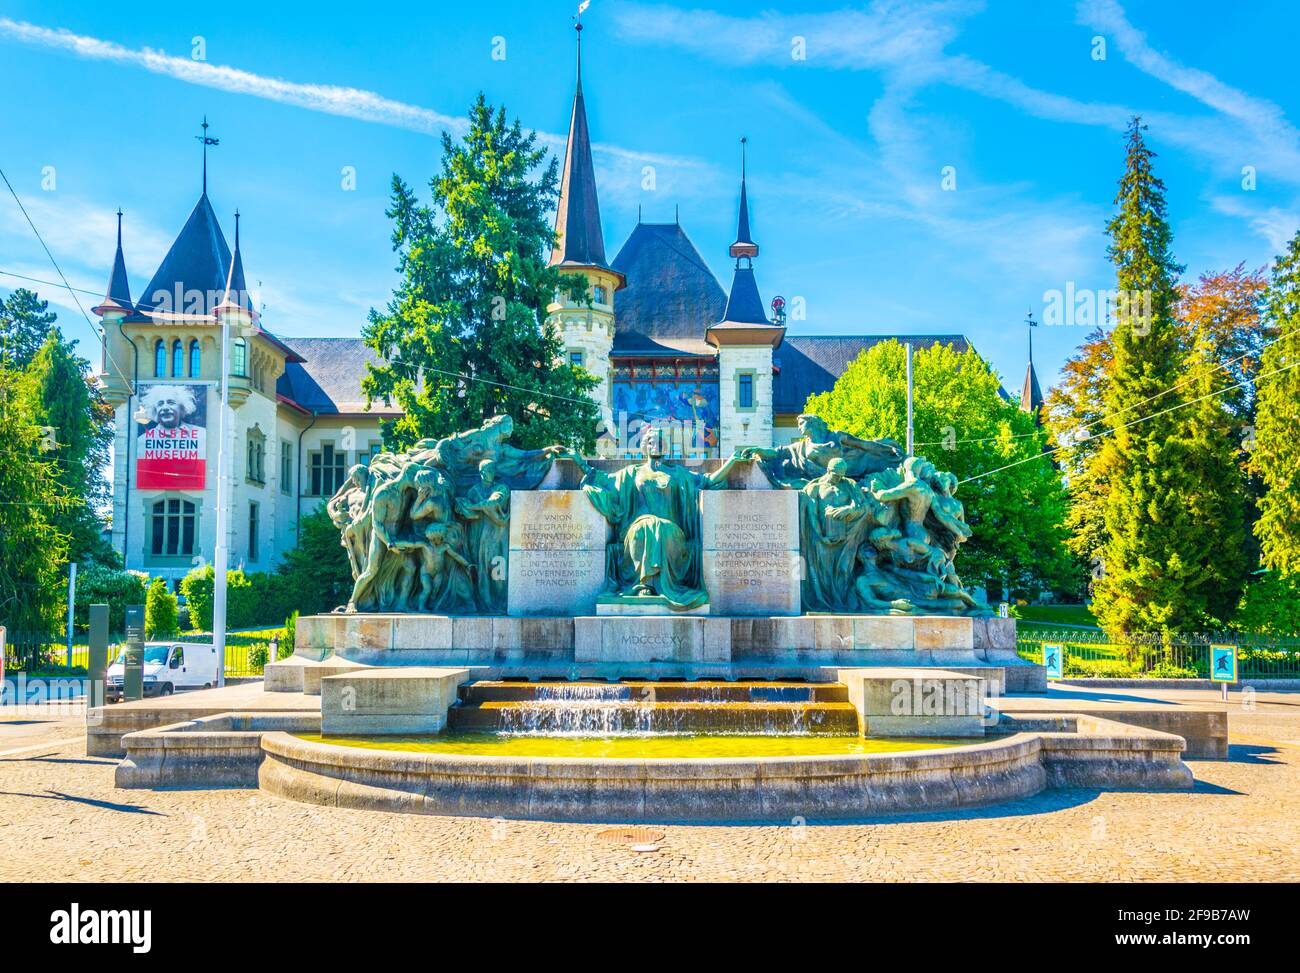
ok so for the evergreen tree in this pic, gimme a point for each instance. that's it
(464, 336)
(1275, 456)
(66, 400)
(1155, 554)
(1216, 488)
(25, 320)
(962, 423)
(32, 549)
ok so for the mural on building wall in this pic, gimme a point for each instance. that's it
(689, 403)
(172, 447)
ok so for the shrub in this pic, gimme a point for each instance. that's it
(103, 585)
(317, 570)
(159, 611)
(290, 634)
(257, 657)
(1270, 605)
(1168, 670)
(251, 599)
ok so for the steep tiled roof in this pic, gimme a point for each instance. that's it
(744, 306)
(670, 292)
(118, 295)
(329, 380)
(579, 239)
(811, 363)
(1031, 396)
(198, 263)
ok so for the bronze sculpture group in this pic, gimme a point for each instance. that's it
(428, 530)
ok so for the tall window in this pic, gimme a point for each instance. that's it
(598, 295)
(178, 359)
(328, 470)
(286, 468)
(196, 358)
(745, 391)
(172, 528)
(252, 530)
(160, 359)
(239, 358)
(256, 456)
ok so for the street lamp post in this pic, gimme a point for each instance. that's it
(221, 551)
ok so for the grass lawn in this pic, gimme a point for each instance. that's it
(1057, 614)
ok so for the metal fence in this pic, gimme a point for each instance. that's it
(1181, 657)
(246, 654)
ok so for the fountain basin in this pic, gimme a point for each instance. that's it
(1085, 752)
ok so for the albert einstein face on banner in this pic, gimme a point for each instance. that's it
(167, 405)
(171, 451)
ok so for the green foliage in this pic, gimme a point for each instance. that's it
(1159, 571)
(160, 611)
(32, 548)
(25, 321)
(1276, 453)
(464, 336)
(317, 569)
(1270, 605)
(963, 424)
(260, 598)
(107, 586)
(258, 655)
(290, 635)
(66, 400)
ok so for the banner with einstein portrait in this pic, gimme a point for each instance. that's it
(172, 449)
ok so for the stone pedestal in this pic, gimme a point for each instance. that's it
(750, 541)
(906, 702)
(557, 553)
(651, 639)
(383, 701)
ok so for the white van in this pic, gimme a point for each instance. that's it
(168, 666)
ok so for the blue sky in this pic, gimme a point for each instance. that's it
(849, 143)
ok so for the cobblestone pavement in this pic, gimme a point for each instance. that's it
(61, 819)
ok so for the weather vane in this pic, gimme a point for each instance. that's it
(206, 140)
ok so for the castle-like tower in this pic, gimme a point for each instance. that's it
(586, 327)
(745, 340)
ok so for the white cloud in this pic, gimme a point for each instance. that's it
(622, 165)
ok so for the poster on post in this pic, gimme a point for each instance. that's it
(172, 446)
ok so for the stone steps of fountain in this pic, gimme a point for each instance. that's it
(606, 716)
(700, 691)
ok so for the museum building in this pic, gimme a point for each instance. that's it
(669, 345)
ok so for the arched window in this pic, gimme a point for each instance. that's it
(159, 359)
(196, 358)
(239, 359)
(178, 359)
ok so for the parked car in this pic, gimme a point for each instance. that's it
(168, 666)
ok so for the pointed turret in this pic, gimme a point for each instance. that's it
(745, 340)
(579, 240)
(744, 245)
(118, 296)
(585, 324)
(236, 297)
(745, 319)
(1031, 396)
